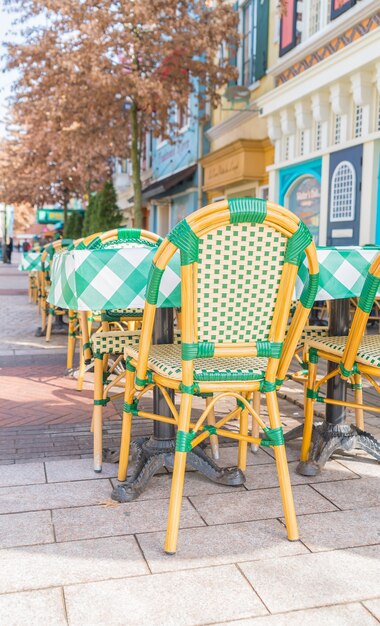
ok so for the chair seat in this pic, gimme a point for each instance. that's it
(114, 341)
(368, 353)
(313, 332)
(165, 359)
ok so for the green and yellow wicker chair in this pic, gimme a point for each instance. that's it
(107, 341)
(239, 262)
(356, 356)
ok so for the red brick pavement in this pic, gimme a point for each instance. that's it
(37, 394)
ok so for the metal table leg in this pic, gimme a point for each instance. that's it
(334, 434)
(152, 453)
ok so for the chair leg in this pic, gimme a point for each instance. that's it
(358, 395)
(126, 427)
(213, 438)
(97, 415)
(71, 338)
(49, 326)
(243, 445)
(178, 479)
(81, 371)
(255, 426)
(309, 413)
(283, 471)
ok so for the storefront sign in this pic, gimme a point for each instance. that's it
(52, 216)
(304, 199)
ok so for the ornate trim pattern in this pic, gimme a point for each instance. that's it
(350, 35)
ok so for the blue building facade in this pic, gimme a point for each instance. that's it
(175, 189)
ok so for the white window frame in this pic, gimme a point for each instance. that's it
(324, 18)
(318, 136)
(353, 193)
(301, 142)
(358, 121)
(336, 141)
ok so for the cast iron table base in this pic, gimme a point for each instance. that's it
(150, 454)
(328, 438)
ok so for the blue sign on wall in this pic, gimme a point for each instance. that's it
(300, 191)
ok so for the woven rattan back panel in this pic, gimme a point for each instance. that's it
(239, 271)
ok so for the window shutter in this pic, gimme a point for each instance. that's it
(261, 57)
(340, 6)
(288, 35)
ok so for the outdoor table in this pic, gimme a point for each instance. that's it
(113, 278)
(116, 278)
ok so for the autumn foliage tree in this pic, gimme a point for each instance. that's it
(96, 75)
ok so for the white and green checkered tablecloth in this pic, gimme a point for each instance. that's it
(30, 262)
(87, 280)
(342, 271)
(113, 278)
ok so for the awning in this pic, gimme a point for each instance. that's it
(159, 187)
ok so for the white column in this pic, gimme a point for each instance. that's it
(273, 186)
(320, 107)
(323, 216)
(361, 84)
(288, 128)
(368, 201)
(304, 122)
(340, 104)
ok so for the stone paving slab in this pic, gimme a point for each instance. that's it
(374, 607)
(58, 472)
(342, 615)
(266, 475)
(258, 504)
(312, 580)
(57, 564)
(228, 456)
(33, 608)
(340, 529)
(175, 599)
(24, 529)
(120, 519)
(218, 545)
(357, 494)
(52, 496)
(11, 476)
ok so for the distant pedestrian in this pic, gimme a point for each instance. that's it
(25, 246)
(10, 249)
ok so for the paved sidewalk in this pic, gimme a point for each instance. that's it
(69, 556)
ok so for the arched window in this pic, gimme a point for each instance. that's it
(342, 204)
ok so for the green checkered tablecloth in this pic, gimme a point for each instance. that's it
(342, 271)
(30, 262)
(87, 280)
(113, 278)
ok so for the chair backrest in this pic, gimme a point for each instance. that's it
(359, 323)
(119, 237)
(239, 262)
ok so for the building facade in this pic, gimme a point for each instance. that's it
(323, 118)
(174, 189)
(240, 151)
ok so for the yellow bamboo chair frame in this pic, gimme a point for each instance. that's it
(198, 225)
(348, 368)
